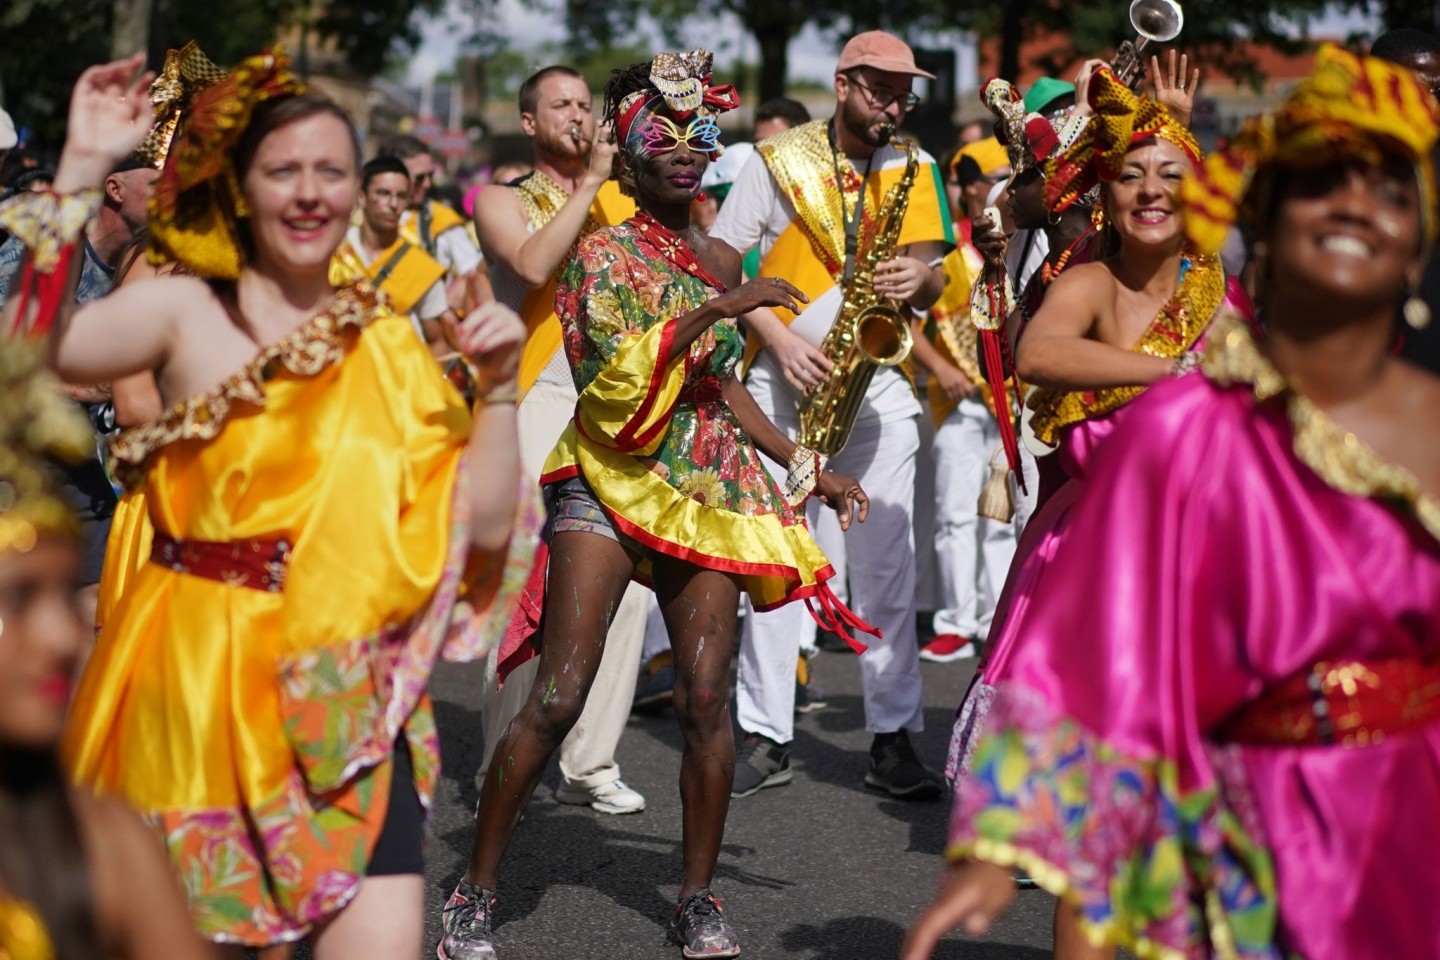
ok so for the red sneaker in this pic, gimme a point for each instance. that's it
(947, 648)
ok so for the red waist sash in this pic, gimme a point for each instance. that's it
(257, 564)
(1352, 703)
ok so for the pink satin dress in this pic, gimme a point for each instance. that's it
(1213, 553)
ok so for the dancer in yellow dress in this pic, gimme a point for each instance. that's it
(329, 521)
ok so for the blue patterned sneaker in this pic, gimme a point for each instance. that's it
(702, 929)
(466, 925)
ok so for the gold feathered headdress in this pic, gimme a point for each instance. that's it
(187, 71)
(1348, 107)
(37, 427)
(197, 200)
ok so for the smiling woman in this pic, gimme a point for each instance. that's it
(1175, 748)
(329, 521)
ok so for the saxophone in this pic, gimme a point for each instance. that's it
(868, 333)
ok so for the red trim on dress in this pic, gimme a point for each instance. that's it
(627, 440)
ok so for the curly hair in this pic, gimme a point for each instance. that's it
(623, 82)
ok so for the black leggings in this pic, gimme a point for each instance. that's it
(399, 849)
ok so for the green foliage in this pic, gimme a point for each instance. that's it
(60, 39)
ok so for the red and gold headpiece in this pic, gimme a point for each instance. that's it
(1349, 107)
(1029, 138)
(681, 92)
(1120, 119)
(197, 199)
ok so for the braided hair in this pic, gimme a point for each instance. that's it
(623, 82)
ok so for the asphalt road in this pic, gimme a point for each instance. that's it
(821, 869)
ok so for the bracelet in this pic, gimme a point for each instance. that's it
(803, 474)
(508, 393)
(1186, 362)
(48, 222)
(991, 303)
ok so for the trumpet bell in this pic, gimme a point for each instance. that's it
(1158, 21)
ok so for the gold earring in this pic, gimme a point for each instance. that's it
(1417, 313)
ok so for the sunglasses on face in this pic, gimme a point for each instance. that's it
(661, 135)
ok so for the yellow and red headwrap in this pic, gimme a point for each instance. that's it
(1119, 120)
(197, 199)
(1349, 107)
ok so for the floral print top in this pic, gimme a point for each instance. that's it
(619, 284)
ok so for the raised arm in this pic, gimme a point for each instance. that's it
(500, 222)
(1058, 351)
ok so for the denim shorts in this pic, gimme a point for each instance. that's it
(572, 507)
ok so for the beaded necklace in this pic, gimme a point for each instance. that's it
(1049, 274)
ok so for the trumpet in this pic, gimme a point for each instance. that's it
(1155, 21)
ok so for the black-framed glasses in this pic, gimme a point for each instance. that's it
(907, 100)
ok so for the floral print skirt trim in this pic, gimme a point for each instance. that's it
(1168, 875)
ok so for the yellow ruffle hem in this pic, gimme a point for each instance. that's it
(255, 729)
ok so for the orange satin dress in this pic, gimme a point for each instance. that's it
(255, 729)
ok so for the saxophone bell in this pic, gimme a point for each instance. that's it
(882, 335)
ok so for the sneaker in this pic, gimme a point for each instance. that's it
(759, 763)
(655, 691)
(947, 648)
(465, 925)
(896, 769)
(701, 927)
(809, 697)
(612, 797)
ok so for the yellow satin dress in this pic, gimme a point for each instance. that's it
(127, 550)
(255, 729)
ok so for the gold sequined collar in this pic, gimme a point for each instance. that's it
(316, 344)
(1338, 457)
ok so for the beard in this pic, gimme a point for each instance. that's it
(864, 124)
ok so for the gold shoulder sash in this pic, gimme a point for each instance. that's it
(1175, 329)
(803, 163)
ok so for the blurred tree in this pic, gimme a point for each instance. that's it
(51, 41)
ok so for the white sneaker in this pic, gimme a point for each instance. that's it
(612, 797)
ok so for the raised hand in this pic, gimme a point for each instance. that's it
(602, 152)
(491, 336)
(110, 111)
(1176, 87)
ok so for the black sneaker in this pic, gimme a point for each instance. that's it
(701, 927)
(759, 763)
(896, 769)
(465, 925)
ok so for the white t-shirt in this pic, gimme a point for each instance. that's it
(755, 213)
(457, 253)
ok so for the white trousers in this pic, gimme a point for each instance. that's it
(587, 757)
(880, 557)
(973, 553)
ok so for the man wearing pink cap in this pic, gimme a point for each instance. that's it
(808, 201)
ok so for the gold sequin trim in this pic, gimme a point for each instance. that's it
(1173, 331)
(316, 344)
(1336, 455)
